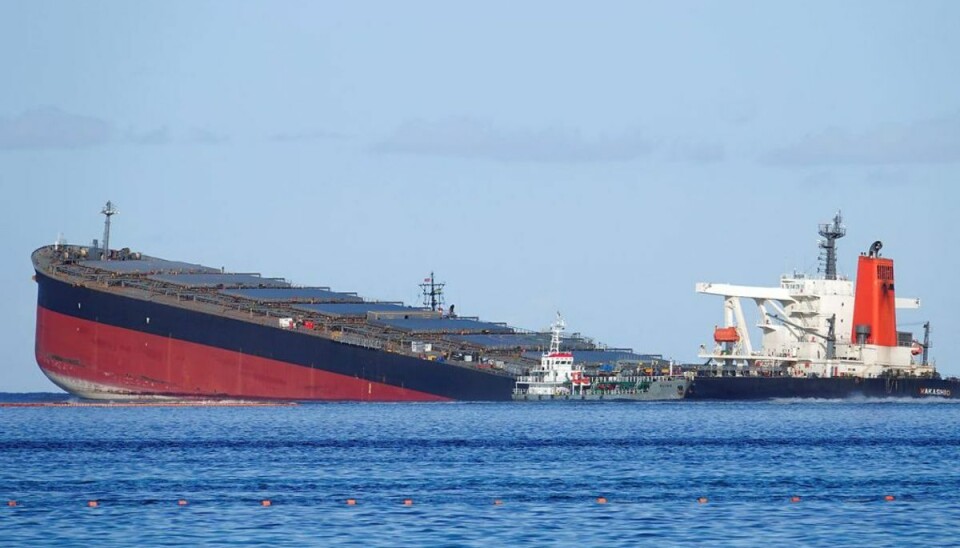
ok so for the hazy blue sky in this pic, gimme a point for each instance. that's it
(597, 158)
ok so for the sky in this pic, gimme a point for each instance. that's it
(594, 158)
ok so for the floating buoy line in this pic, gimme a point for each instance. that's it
(265, 502)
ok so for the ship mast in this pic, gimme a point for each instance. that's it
(926, 342)
(432, 292)
(831, 232)
(557, 331)
(108, 211)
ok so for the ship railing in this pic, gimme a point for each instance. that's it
(74, 272)
(357, 333)
(361, 341)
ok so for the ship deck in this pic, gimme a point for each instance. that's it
(311, 311)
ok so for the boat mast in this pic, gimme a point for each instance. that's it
(557, 331)
(432, 292)
(108, 211)
(831, 232)
(926, 342)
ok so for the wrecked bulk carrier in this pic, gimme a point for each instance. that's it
(118, 325)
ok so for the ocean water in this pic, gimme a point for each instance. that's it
(547, 464)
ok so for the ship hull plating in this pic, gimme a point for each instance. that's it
(765, 388)
(101, 345)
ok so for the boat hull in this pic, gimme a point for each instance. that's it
(765, 388)
(102, 345)
(660, 390)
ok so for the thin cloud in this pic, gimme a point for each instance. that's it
(738, 112)
(697, 152)
(924, 142)
(51, 127)
(206, 136)
(889, 178)
(822, 179)
(306, 136)
(54, 128)
(471, 138)
(159, 136)
(164, 136)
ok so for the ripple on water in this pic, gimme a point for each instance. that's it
(546, 463)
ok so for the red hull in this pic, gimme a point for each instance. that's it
(85, 356)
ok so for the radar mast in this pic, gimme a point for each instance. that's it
(831, 232)
(108, 211)
(432, 293)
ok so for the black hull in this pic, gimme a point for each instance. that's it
(302, 351)
(765, 388)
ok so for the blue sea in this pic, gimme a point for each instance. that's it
(548, 465)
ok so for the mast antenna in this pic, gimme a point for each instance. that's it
(831, 232)
(556, 332)
(108, 211)
(926, 343)
(432, 292)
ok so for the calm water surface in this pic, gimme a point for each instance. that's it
(546, 463)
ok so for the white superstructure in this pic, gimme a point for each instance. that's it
(807, 328)
(556, 369)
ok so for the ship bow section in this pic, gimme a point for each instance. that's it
(99, 344)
